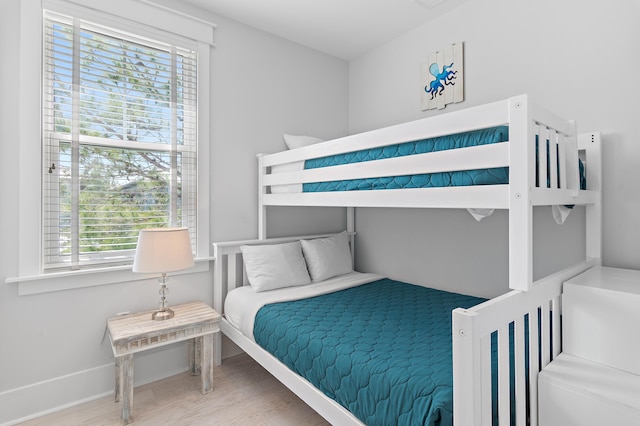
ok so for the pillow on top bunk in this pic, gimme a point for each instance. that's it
(293, 141)
(275, 266)
(327, 257)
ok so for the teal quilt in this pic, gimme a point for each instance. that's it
(382, 350)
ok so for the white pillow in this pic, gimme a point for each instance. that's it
(327, 257)
(294, 141)
(275, 266)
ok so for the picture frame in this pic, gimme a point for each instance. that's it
(442, 74)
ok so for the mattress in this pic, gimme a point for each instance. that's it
(492, 176)
(242, 304)
(382, 349)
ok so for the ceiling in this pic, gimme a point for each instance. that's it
(342, 28)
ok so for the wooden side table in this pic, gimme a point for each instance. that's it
(138, 332)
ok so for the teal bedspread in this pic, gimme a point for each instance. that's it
(382, 350)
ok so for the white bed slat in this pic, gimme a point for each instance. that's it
(562, 161)
(487, 402)
(553, 160)
(534, 364)
(556, 309)
(504, 404)
(572, 163)
(545, 344)
(484, 196)
(236, 272)
(550, 197)
(520, 370)
(543, 135)
(476, 157)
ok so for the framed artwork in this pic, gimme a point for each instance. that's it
(442, 75)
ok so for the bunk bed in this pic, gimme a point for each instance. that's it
(498, 345)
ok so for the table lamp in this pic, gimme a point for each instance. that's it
(162, 250)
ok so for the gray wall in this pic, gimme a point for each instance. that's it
(264, 87)
(576, 58)
(52, 350)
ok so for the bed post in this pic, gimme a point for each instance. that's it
(521, 181)
(219, 293)
(591, 143)
(351, 228)
(467, 370)
(262, 210)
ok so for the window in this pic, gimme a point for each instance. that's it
(119, 124)
(108, 94)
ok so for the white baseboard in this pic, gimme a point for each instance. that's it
(48, 396)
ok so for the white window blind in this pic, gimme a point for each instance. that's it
(119, 142)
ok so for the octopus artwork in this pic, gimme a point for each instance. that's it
(442, 79)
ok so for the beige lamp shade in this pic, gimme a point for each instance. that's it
(162, 250)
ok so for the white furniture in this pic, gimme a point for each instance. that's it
(577, 391)
(596, 380)
(533, 303)
(527, 123)
(138, 332)
(601, 310)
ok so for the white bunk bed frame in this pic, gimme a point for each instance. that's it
(472, 328)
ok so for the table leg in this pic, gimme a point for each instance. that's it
(195, 348)
(126, 382)
(118, 389)
(206, 362)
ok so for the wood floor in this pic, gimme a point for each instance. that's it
(243, 394)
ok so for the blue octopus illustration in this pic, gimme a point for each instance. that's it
(444, 78)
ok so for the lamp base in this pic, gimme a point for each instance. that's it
(164, 314)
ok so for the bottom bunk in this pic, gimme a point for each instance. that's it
(402, 346)
(379, 347)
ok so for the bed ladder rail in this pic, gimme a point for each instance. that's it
(526, 336)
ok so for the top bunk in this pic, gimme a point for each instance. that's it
(519, 166)
(537, 156)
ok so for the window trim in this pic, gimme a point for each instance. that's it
(69, 280)
(29, 245)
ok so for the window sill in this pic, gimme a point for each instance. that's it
(69, 280)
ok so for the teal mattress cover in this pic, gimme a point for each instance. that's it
(382, 350)
(426, 180)
(492, 176)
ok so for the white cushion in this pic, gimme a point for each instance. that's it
(293, 141)
(327, 257)
(275, 266)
